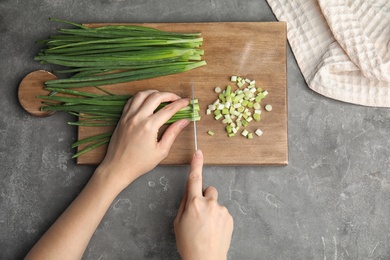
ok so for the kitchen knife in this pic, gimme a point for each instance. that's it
(193, 115)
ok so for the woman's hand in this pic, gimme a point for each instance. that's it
(134, 148)
(203, 228)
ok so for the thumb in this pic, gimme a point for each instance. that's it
(171, 133)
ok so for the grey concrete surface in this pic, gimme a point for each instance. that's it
(330, 202)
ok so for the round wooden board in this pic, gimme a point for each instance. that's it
(31, 86)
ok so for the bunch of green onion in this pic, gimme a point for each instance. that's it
(118, 53)
(101, 110)
(110, 55)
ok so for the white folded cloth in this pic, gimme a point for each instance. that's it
(341, 46)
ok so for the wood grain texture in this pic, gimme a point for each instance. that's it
(256, 50)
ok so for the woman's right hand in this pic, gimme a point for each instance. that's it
(203, 228)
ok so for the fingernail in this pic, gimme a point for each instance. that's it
(198, 153)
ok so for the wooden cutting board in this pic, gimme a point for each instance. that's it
(256, 50)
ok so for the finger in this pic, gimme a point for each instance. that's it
(211, 193)
(166, 113)
(170, 135)
(136, 102)
(152, 102)
(127, 105)
(195, 177)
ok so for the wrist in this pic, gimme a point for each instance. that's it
(111, 179)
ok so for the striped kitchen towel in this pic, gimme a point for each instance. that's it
(342, 46)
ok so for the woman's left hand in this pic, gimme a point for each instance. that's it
(134, 148)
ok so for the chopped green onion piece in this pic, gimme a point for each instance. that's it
(210, 132)
(250, 136)
(217, 117)
(222, 97)
(228, 90)
(237, 105)
(259, 132)
(268, 107)
(229, 129)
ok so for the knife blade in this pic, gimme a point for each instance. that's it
(193, 116)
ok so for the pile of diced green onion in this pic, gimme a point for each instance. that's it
(236, 109)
